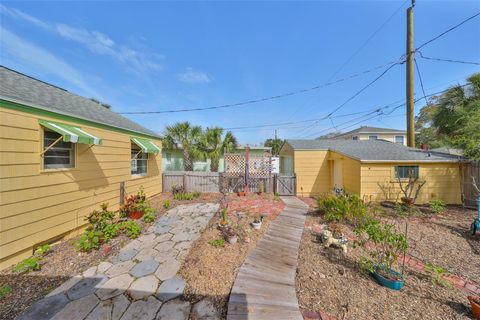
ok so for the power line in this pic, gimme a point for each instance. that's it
(448, 60)
(279, 96)
(421, 81)
(447, 31)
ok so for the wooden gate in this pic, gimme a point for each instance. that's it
(285, 185)
(469, 193)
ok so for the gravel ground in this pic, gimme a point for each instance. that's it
(329, 281)
(209, 271)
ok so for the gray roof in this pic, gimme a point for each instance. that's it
(373, 150)
(20, 88)
(367, 129)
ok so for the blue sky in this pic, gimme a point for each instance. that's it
(147, 56)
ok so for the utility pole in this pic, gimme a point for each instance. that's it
(410, 77)
(275, 134)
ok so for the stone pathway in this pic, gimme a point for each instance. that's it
(140, 282)
(265, 285)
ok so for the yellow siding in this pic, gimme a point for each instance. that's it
(443, 181)
(36, 205)
(351, 172)
(312, 169)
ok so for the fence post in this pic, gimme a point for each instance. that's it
(185, 181)
(122, 192)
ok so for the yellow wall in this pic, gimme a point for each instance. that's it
(312, 169)
(351, 172)
(443, 181)
(37, 206)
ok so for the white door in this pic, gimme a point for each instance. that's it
(338, 174)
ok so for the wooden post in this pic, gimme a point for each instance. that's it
(185, 181)
(410, 79)
(122, 192)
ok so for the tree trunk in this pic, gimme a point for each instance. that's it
(214, 165)
(187, 162)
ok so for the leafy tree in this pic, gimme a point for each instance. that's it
(275, 144)
(212, 144)
(186, 135)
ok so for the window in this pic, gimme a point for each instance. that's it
(404, 172)
(168, 157)
(139, 161)
(399, 139)
(372, 137)
(355, 138)
(60, 155)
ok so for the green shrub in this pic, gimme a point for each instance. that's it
(131, 229)
(343, 208)
(110, 231)
(89, 240)
(27, 265)
(186, 196)
(438, 206)
(149, 216)
(42, 250)
(437, 274)
(100, 219)
(388, 244)
(5, 291)
(218, 243)
(166, 204)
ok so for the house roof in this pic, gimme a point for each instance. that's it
(373, 130)
(374, 150)
(19, 88)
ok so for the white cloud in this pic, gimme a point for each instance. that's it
(95, 41)
(29, 53)
(192, 76)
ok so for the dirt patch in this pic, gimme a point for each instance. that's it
(329, 281)
(211, 271)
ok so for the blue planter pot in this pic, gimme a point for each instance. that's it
(392, 284)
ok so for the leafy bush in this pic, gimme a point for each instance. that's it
(131, 229)
(110, 231)
(5, 291)
(177, 189)
(437, 273)
(149, 215)
(186, 196)
(89, 240)
(438, 206)
(218, 243)
(166, 204)
(100, 219)
(42, 250)
(27, 265)
(345, 207)
(388, 244)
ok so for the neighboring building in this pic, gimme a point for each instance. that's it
(61, 156)
(369, 169)
(374, 133)
(173, 159)
(452, 151)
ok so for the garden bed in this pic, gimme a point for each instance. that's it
(329, 281)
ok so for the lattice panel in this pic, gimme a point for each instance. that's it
(234, 165)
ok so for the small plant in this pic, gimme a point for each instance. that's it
(42, 250)
(257, 219)
(166, 204)
(110, 231)
(218, 243)
(177, 189)
(27, 265)
(437, 273)
(130, 228)
(149, 216)
(437, 206)
(410, 188)
(388, 245)
(186, 196)
(345, 207)
(100, 219)
(5, 291)
(130, 205)
(90, 240)
(224, 221)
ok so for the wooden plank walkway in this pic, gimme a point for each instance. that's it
(265, 285)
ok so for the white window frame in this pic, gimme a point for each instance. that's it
(138, 156)
(403, 139)
(404, 176)
(372, 137)
(56, 147)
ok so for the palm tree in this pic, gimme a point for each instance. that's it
(276, 144)
(212, 145)
(186, 135)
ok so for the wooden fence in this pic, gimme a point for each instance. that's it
(192, 181)
(469, 192)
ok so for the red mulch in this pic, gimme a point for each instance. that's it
(256, 204)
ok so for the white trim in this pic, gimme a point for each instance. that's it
(96, 140)
(73, 136)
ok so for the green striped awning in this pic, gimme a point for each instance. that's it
(147, 146)
(71, 133)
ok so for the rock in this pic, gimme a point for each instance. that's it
(132, 244)
(146, 237)
(204, 310)
(65, 286)
(174, 309)
(164, 246)
(162, 228)
(164, 237)
(90, 272)
(183, 236)
(106, 250)
(46, 308)
(168, 269)
(167, 256)
(146, 254)
(142, 310)
(103, 267)
(127, 254)
(103, 311)
(86, 287)
(120, 304)
(78, 309)
(143, 287)
(170, 289)
(144, 268)
(120, 268)
(114, 287)
(184, 245)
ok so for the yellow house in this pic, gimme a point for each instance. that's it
(61, 156)
(372, 169)
(375, 133)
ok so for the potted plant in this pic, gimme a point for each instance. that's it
(131, 208)
(241, 192)
(224, 220)
(384, 247)
(257, 222)
(475, 303)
